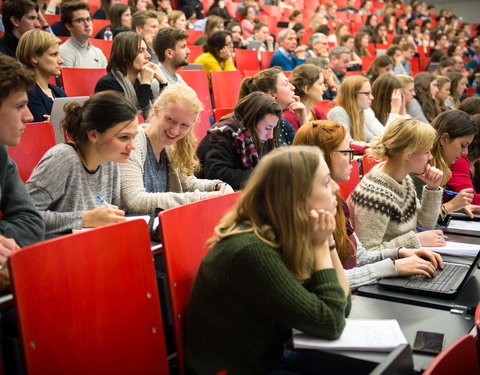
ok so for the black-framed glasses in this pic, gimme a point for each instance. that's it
(368, 93)
(82, 20)
(348, 153)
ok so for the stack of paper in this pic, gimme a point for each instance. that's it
(464, 225)
(457, 248)
(359, 334)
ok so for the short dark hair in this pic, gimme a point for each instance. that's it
(17, 9)
(167, 38)
(216, 42)
(67, 9)
(140, 17)
(125, 49)
(14, 77)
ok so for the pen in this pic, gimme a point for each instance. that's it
(102, 201)
(424, 230)
(223, 188)
(449, 192)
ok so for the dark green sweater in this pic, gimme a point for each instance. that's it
(245, 302)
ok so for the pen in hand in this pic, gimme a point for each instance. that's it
(425, 230)
(102, 201)
(449, 192)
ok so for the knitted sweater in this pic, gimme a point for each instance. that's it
(386, 212)
(62, 188)
(182, 190)
(245, 302)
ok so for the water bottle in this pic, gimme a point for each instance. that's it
(107, 35)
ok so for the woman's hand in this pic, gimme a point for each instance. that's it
(396, 101)
(322, 225)
(432, 257)
(459, 201)
(432, 177)
(224, 188)
(102, 215)
(146, 74)
(431, 238)
(471, 210)
(158, 74)
(299, 109)
(414, 265)
(7, 247)
(225, 54)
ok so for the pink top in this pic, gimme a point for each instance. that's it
(462, 178)
(316, 113)
(247, 28)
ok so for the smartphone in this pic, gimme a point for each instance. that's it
(428, 342)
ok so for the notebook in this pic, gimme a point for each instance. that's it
(447, 283)
(57, 114)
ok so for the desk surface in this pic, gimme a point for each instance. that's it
(411, 319)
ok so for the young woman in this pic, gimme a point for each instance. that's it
(407, 87)
(120, 17)
(340, 30)
(248, 21)
(236, 32)
(387, 86)
(102, 12)
(361, 44)
(348, 41)
(177, 19)
(354, 112)
(380, 34)
(309, 87)
(455, 132)
(458, 86)
(131, 72)
(384, 204)
(38, 50)
(444, 84)
(274, 83)
(465, 171)
(158, 175)
(213, 24)
(362, 267)
(382, 64)
(218, 53)
(423, 106)
(236, 143)
(140, 5)
(65, 183)
(272, 267)
(370, 25)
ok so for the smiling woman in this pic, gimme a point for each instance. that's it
(65, 183)
(158, 175)
(39, 51)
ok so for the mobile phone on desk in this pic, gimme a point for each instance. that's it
(428, 342)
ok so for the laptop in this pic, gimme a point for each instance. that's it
(458, 223)
(57, 114)
(446, 284)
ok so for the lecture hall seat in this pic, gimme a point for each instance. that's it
(80, 81)
(348, 186)
(226, 87)
(246, 59)
(88, 303)
(184, 253)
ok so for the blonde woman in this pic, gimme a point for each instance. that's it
(272, 266)
(354, 112)
(384, 204)
(407, 87)
(158, 175)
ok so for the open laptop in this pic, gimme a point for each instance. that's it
(58, 114)
(446, 284)
(458, 223)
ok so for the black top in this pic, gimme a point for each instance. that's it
(8, 44)
(41, 104)
(100, 15)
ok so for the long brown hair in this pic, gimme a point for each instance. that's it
(328, 135)
(382, 91)
(422, 83)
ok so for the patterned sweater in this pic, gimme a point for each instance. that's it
(386, 212)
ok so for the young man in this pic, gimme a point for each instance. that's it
(19, 16)
(170, 45)
(145, 23)
(288, 55)
(77, 51)
(20, 223)
(408, 53)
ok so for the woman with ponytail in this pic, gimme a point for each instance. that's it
(362, 266)
(66, 182)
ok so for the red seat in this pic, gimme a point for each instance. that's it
(226, 87)
(220, 112)
(367, 163)
(197, 80)
(193, 35)
(104, 45)
(195, 51)
(249, 73)
(366, 62)
(460, 357)
(246, 59)
(183, 254)
(470, 91)
(94, 306)
(265, 58)
(81, 82)
(348, 186)
(51, 18)
(325, 105)
(98, 25)
(37, 139)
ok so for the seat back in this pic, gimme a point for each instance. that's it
(193, 35)
(184, 253)
(246, 59)
(37, 138)
(104, 45)
(265, 59)
(88, 303)
(398, 362)
(226, 87)
(81, 81)
(220, 112)
(460, 357)
(325, 105)
(348, 186)
(367, 163)
(98, 25)
(195, 51)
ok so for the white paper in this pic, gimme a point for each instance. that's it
(465, 225)
(456, 248)
(359, 334)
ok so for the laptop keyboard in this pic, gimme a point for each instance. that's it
(438, 282)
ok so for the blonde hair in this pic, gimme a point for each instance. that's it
(347, 98)
(34, 43)
(404, 80)
(278, 217)
(183, 157)
(173, 16)
(404, 136)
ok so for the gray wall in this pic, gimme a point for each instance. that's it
(469, 10)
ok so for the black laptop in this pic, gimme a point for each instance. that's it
(446, 284)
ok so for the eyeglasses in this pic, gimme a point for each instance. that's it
(368, 93)
(82, 20)
(348, 153)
